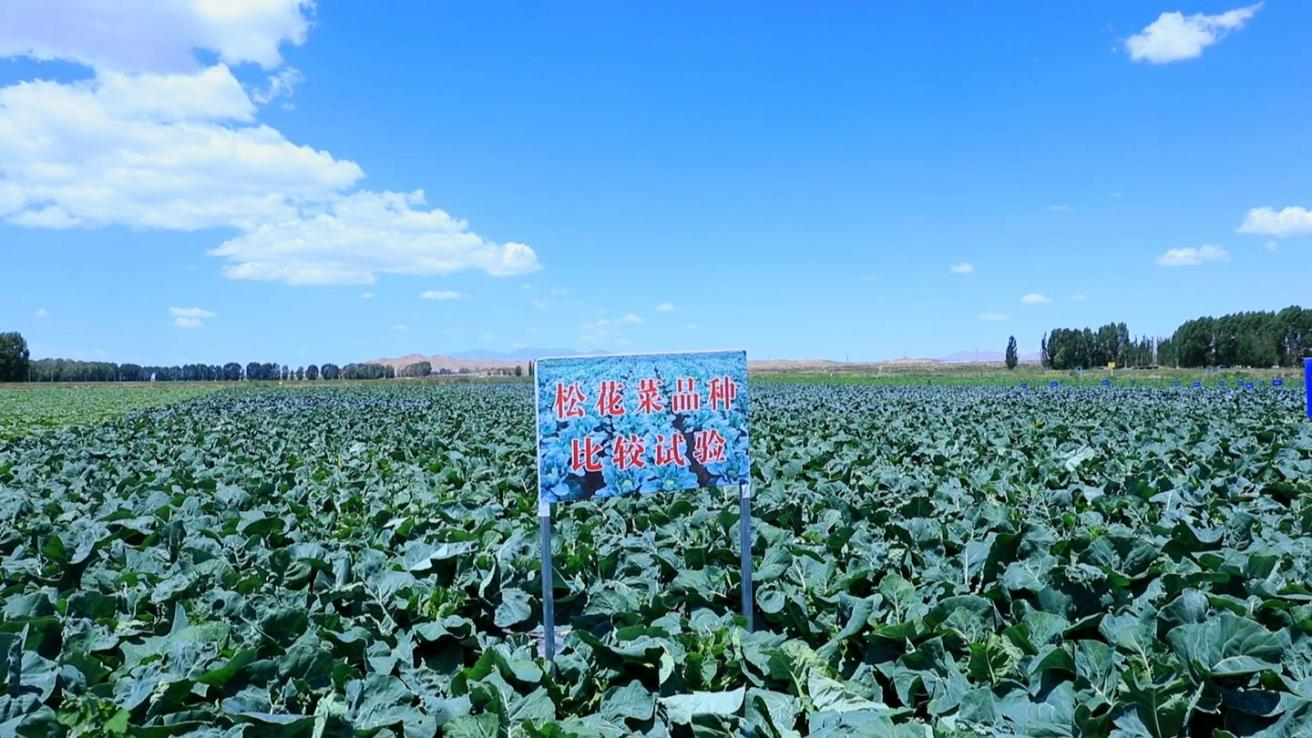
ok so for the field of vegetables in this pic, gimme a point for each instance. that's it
(30, 407)
(362, 560)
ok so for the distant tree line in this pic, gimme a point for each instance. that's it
(1069, 348)
(68, 370)
(16, 365)
(417, 369)
(13, 358)
(368, 371)
(1256, 339)
(1244, 339)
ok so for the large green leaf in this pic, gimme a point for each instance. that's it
(682, 708)
(1226, 646)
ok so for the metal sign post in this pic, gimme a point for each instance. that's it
(745, 536)
(548, 582)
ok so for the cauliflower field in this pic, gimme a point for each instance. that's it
(362, 560)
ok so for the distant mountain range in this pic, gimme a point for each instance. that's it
(520, 354)
(480, 360)
(477, 360)
(958, 357)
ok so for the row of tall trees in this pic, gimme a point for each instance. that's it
(1069, 348)
(15, 366)
(417, 369)
(1256, 339)
(1260, 338)
(368, 371)
(13, 357)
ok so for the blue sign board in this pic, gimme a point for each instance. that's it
(645, 423)
(1307, 379)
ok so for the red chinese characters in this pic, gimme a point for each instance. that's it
(649, 397)
(628, 452)
(623, 445)
(610, 398)
(584, 455)
(722, 392)
(569, 401)
(670, 450)
(708, 446)
(685, 398)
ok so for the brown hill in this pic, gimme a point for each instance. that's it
(440, 362)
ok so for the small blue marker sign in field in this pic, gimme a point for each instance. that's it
(1277, 382)
(1054, 384)
(1307, 380)
(1198, 385)
(1222, 383)
(1106, 382)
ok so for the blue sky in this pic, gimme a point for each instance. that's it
(796, 179)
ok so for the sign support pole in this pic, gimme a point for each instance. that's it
(745, 534)
(548, 590)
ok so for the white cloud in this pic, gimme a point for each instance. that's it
(1272, 246)
(1035, 298)
(178, 312)
(994, 316)
(366, 295)
(398, 327)
(1267, 221)
(552, 300)
(282, 83)
(440, 295)
(155, 139)
(355, 238)
(41, 313)
(665, 307)
(1191, 256)
(153, 151)
(192, 317)
(607, 330)
(1175, 36)
(1078, 297)
(964, 267)
(149, 35)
